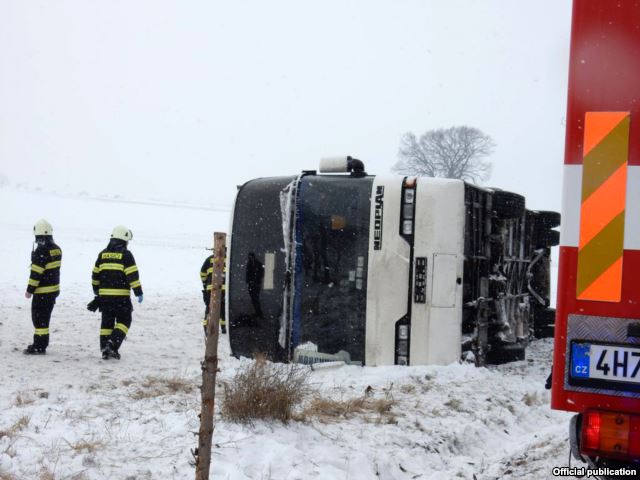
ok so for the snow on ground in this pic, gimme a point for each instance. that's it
(71, 415)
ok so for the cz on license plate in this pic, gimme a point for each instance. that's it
(605, 366)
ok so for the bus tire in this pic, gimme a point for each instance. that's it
(547, 220)
(547, 238)
(507, 205)
(508, 352)
(544, 320)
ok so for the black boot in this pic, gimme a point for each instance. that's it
(110, 352)
(32, 350)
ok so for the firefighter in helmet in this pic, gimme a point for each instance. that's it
(206, 276)
(44, 285)
(115, 273)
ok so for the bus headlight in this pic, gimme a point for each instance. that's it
(403, 332)
(407, 211)
(409, 195)
(403, 348)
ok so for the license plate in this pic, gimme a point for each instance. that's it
(605, 365)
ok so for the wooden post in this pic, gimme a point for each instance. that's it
(210, 363)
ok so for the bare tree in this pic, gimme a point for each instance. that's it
(455, 152)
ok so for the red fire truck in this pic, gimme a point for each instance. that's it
(596, 370)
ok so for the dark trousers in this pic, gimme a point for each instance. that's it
(223, 323)
(41, 309)
(116, 321)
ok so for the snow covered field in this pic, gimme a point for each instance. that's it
(71, 415)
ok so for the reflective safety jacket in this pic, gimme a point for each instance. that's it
(115, 273)
(206, 274)
(45, 269)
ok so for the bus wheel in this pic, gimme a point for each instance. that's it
(508, 352)
(507, 205)
(547, 238)
(544, 320)
(547, 220)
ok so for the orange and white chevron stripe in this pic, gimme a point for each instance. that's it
(602, 212)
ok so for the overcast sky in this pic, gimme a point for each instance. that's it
(187, 99)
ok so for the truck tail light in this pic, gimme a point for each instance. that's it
(634, 437)
(609, 434)
(591, 431)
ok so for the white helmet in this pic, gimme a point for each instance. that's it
(42, 227)
(123, 233)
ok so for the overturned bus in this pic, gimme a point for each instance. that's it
(374, 270)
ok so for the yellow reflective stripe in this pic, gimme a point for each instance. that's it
(42, 331)
(36, 268)
(106, 331)
(55, 252)
(96, 270)
(51, 289)
(33, 283)
(95, 282)
(122, 328)
(209, 288)
(135, 284)
(131, 269)
(114, 292)
(223, 323)
(224, 287)
(111, 266)
(209, 270)
(52, 265)
(203, 275)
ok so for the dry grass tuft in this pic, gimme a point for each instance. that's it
(22, 399)
(46, 474)
(531, 399)
(327, 410)
(408, 389)
(17, 426)
(153, 387)
(265, 391)
(454, 404)
(89, 446)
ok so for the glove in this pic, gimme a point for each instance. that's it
(140, 298)
(94, 304)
